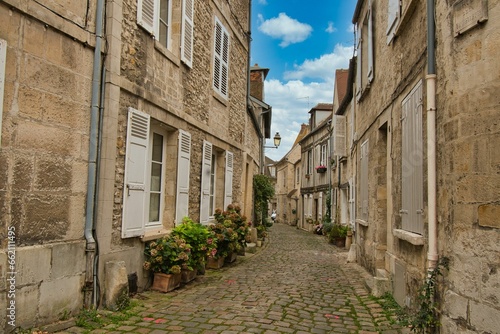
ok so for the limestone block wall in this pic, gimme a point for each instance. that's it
(43, 154)
(469, 173)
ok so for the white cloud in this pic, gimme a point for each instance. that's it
(330, 29)
(292, 99)
(289, 30)
(323, 67)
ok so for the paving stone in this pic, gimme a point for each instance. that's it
(297, 283)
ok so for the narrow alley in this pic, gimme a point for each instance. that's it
(297, 283)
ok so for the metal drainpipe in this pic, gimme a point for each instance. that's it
(432, 255)
(92, 165)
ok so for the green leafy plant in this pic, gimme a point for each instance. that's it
(199, 238)
(224, 231)
(337, 231)
(241, 226)
(263, 193)
(167, 255)
(426, 318)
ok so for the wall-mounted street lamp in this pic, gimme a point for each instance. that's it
(277, 141)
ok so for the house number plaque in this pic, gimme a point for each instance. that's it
(467, 14)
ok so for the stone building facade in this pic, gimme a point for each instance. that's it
(316, 176)
(426, 173)
(288, 178)
(169, 134)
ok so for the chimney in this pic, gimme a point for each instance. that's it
(257, 78)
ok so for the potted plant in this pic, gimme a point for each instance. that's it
(202, 244)
(338, 234)
(227, 242)
(321, 168)
(240, 225)
(166, 257)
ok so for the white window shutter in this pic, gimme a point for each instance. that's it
(221, 59)
(228, 184)
(3, 57)
(225, 63)
(412, 162)
(320, 209)
(217, 55)
(359, 63)
(392, 19)
(352, 202)
(136, 160)
(364, 181)
(339, 133)
(206, 167)
(370, 73)
(183, 167)
(187, 39)
(146, 14)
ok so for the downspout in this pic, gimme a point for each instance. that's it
(432, 255)
(92, 164)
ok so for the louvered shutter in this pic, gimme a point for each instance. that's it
(3, 56)
(364, 181)
(392, 19)
(146, 13)
(339, 135)
(221, 59)
(320, 209)
(370, 73)
(412, 162)
(228, 184)
(352, 202)
(187, 32)
(359, 63)
(206, 168)
(183, 167)
(134, 190)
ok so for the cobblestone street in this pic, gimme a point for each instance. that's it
(297, 283)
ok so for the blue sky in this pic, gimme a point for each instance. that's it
(302, 43)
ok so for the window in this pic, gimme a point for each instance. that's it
(155, 16)
(339, 133)
(364, 181)
(394, 12)
(323, 161)
(352, 202)
(3, 54)
(216, 181)
(145, 176)
(157, 161)
(412, 162)
(221, 59)
(364, 57)
(297, 175)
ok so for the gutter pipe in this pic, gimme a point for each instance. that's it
(90, 249)
(432, 255)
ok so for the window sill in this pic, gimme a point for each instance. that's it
(155, 234)
(167, 53)
(362, 222)
(412, 238)
(221, 98)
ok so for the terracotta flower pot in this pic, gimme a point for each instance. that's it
(166, 282)
(215, 263)
(231, 257)
(187, 275)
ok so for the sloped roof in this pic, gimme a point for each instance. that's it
(341, 76)
(304, 130)
(322, 106)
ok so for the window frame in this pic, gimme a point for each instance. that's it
(148, 224)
